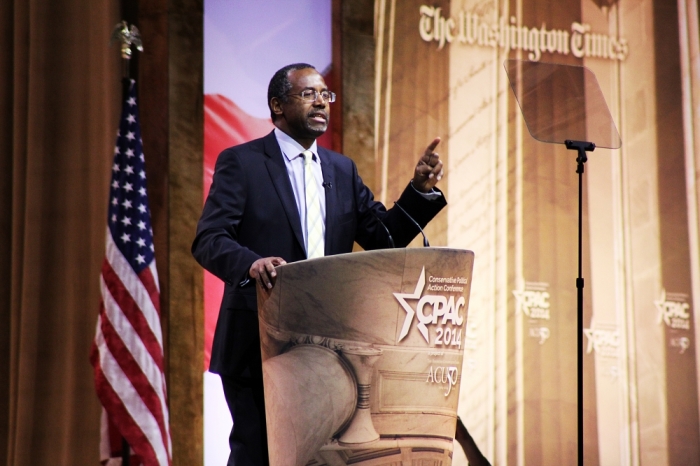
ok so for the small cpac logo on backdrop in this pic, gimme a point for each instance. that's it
(534, 303)
(674, 310)
(605, 342)
(438, 306)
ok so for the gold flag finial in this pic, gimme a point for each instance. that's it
(128, 36)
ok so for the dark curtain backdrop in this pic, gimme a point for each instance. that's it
(59, 108)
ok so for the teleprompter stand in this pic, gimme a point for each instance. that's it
(563, 104)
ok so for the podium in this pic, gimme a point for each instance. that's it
(362, 357)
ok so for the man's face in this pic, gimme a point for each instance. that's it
(303, 120)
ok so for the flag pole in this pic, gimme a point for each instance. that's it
(126, 452)
(128, 37)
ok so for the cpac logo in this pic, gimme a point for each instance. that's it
(604, 342)
(675, 314)
(437, 306)
(533, 303)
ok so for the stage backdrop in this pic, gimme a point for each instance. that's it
(244, 44)
(513, 201)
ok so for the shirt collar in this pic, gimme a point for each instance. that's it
(292, 149)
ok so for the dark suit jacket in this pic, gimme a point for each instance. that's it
(251, 213)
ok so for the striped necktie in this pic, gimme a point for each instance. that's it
(314, 225)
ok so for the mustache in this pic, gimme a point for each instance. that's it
(316, 112)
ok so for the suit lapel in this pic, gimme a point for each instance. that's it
(329, 185)
(280, 180)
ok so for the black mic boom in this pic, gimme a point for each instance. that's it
(426, 244)
(391, 239)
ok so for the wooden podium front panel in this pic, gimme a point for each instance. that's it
(408, 305)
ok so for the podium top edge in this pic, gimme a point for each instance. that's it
(397, 251)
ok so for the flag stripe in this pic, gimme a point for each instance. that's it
(134, 286)
(154, 274)
(146, 423)
(149, 390)
(150, 283)
(122, 303)
(116, 407)
(131, 348)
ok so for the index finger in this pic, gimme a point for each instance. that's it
(431, 147)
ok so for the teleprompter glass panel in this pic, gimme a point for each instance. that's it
(561, 102)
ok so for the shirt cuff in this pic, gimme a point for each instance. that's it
(431, 196)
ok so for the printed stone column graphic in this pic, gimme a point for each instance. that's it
(361, 430)
(307, 386)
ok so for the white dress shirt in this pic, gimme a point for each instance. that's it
(294, 161)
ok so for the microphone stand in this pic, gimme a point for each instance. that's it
(426, 244)
(388, 233)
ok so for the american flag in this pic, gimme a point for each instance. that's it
(127, 354)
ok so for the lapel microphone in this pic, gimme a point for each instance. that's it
(327, 184)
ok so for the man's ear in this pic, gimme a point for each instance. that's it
(276, 106)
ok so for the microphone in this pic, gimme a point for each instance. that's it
(426, 244)
(391, 239)
(327, 184)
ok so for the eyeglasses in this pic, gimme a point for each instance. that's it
(310, 95)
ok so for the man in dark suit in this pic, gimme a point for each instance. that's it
(281, 199)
